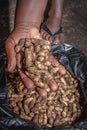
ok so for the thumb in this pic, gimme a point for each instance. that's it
(11, 56)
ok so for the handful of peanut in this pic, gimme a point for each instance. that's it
(58, 108)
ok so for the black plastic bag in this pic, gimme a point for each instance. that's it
(74, 61)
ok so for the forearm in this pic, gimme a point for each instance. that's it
(30, 12)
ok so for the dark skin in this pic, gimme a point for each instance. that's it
(54, 20)
(27, 26)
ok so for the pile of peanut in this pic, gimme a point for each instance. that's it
(58, 108)
(32, 58)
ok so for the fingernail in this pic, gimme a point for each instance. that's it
(42, 92)
(62, 70)
(53, 85)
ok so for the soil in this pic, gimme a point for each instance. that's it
(74, 23)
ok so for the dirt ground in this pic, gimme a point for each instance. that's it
(74, 23)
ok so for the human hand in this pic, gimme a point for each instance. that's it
(51, 82)
(35, 66)
(19, 32)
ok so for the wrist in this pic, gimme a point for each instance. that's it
(28, 24)
(30, 31)
(25, 29)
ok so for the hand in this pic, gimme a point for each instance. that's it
(55, 63)
(51, 82)
(19, 32)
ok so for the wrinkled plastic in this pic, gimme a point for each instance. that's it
(74, 61)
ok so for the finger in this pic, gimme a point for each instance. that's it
(44, 34)
(41, 92)
(52, 84)
(53, 60)
(47, 37)
(9, 45)
(51, 38)
(62, 70)
(55, 63)
(27, 81)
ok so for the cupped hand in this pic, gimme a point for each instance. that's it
(51, 82)
(55, 63)
(18, 33)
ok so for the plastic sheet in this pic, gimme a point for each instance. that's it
(74, 61)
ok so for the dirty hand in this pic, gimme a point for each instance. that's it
(51, 82)
(34, 59)
(18, 33)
